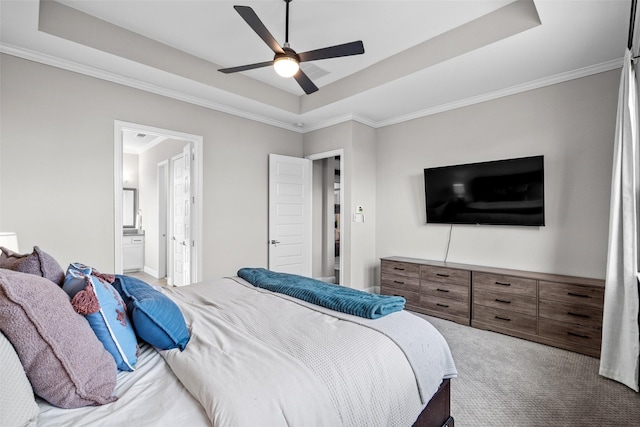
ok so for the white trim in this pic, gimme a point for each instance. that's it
(117, 200)
(196, 227)
(325, 155)
(513, 90)
(150, 271)
(137, 84)
(341, 119)
(162, 173)
(126, 81)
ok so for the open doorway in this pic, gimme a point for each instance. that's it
(148, 167)
(327, 214)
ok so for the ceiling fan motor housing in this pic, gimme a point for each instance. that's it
(288, 52)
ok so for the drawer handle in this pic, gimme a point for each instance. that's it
(442, 290)
(398, 282)
(573, 294)
(573, 334)
(398, 268)
(584, 316)
(503, 284)
(442, 275)
(442, 305)
(503, 318)
(503, 301)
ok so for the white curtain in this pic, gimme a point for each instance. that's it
(620, 355)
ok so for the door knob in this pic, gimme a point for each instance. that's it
(275, 242)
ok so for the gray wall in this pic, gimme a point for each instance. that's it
(572, 124)
(56, 173)
(359, 186)
(57, 167)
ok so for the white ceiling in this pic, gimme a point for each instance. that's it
(445, 53)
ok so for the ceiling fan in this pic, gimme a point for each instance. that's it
(286, 61)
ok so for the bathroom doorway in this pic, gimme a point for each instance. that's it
(147, 167)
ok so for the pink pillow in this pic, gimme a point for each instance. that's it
(37, 262)
(63, 359)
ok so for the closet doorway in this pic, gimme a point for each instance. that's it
(327, 214)
(149, 168)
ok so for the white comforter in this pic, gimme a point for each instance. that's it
(257, 358)
(150, 396)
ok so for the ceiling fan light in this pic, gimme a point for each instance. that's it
(286, 66)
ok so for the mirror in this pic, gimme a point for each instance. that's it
(129, 207)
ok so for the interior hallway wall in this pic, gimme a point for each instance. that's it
(57, 166)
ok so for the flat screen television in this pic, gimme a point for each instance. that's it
(501, 192)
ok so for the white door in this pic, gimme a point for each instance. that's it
(181, 239)
(290, 215)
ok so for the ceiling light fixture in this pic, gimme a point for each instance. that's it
(286, 61)
(286, 64)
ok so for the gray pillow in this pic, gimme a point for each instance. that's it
(18, 407)
(64, 360)
(37, 262)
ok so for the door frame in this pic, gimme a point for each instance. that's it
(326, 155)
(163, 217)
(197, 184)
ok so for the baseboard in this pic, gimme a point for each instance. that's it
(151, 272)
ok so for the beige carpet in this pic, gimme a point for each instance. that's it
(506, 381)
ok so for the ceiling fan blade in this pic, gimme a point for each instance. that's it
(305, 82)
(245, 67)
(347, 49)
(256, 24)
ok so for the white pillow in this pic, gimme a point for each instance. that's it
(18, 406)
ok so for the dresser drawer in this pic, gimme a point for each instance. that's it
(505, 319)
(574, 294)
(400, 282)
(445, 275)
(133, 240)
(506, 301)
(576, 334)
(508, 284)
(413, 298)
(397, 268)
(444, 290)
(445, 305)
(572, 313)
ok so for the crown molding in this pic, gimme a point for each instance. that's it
(158, 90)
(513, 90)
(137, 84)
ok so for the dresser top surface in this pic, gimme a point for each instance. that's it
(502, 271)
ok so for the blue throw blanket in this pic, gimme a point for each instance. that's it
(328, 295)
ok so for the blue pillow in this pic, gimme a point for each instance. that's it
(156, 319)
(105, 311)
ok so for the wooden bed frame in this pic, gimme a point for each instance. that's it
(437, 412)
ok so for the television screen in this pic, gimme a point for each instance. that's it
(502, 192)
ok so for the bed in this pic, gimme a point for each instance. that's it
(257, 357)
